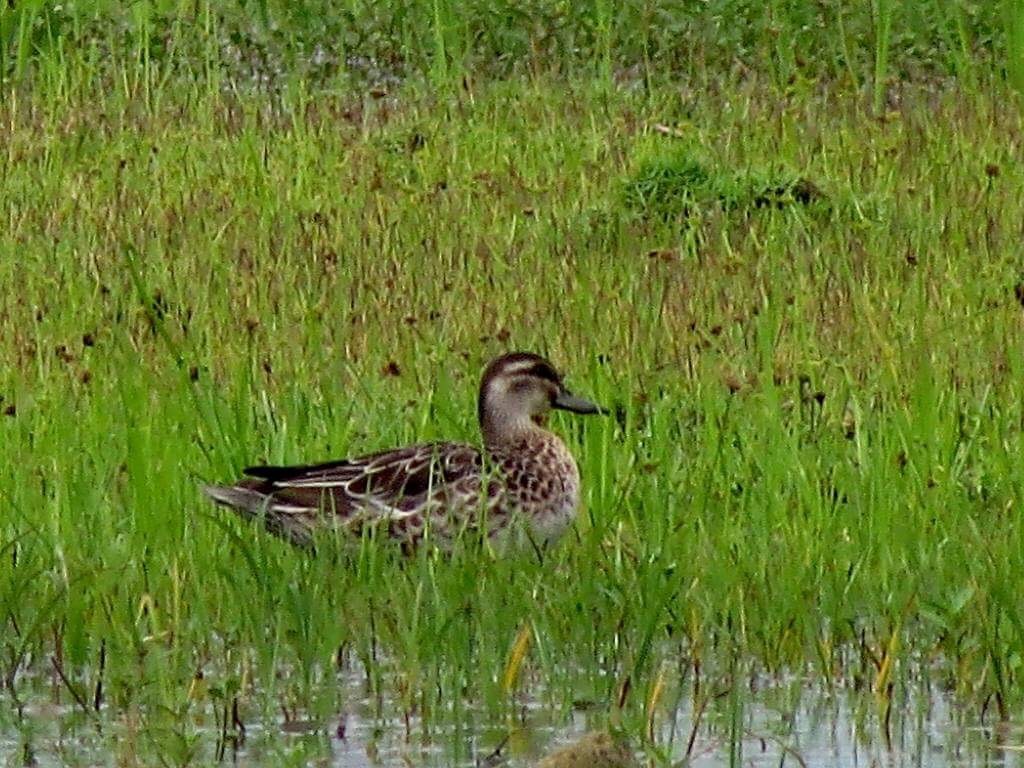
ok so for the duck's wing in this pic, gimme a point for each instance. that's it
(395, 487)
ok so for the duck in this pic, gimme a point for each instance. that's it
(521, 478)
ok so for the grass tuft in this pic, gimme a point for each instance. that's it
(676, 185)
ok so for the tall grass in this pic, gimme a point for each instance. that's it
(1013, 14)
(883, 11)
(810, 469)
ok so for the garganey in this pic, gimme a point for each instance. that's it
(524, 478)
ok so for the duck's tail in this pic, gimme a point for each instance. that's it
(239, 498)
(292, 522)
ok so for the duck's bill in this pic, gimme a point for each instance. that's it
(567, 401)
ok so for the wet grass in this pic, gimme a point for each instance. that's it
(812, 468)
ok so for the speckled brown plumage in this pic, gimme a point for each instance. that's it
(524, 479)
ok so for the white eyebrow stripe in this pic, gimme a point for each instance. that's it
(520, 366)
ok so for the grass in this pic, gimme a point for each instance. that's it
(812, 468)
(875, 44)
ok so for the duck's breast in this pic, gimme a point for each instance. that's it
(542, 486)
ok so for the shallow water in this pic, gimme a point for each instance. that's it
(771, 724)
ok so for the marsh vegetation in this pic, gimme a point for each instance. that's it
(782, 241)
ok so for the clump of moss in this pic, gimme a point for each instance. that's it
(594, 750)
(678, 184)
(670, 185)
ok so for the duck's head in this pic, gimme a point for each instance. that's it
(518, 390)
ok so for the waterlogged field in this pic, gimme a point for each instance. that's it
(801, 541)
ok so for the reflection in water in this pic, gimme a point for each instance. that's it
(778, 724)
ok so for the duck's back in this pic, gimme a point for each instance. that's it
(399, 489)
